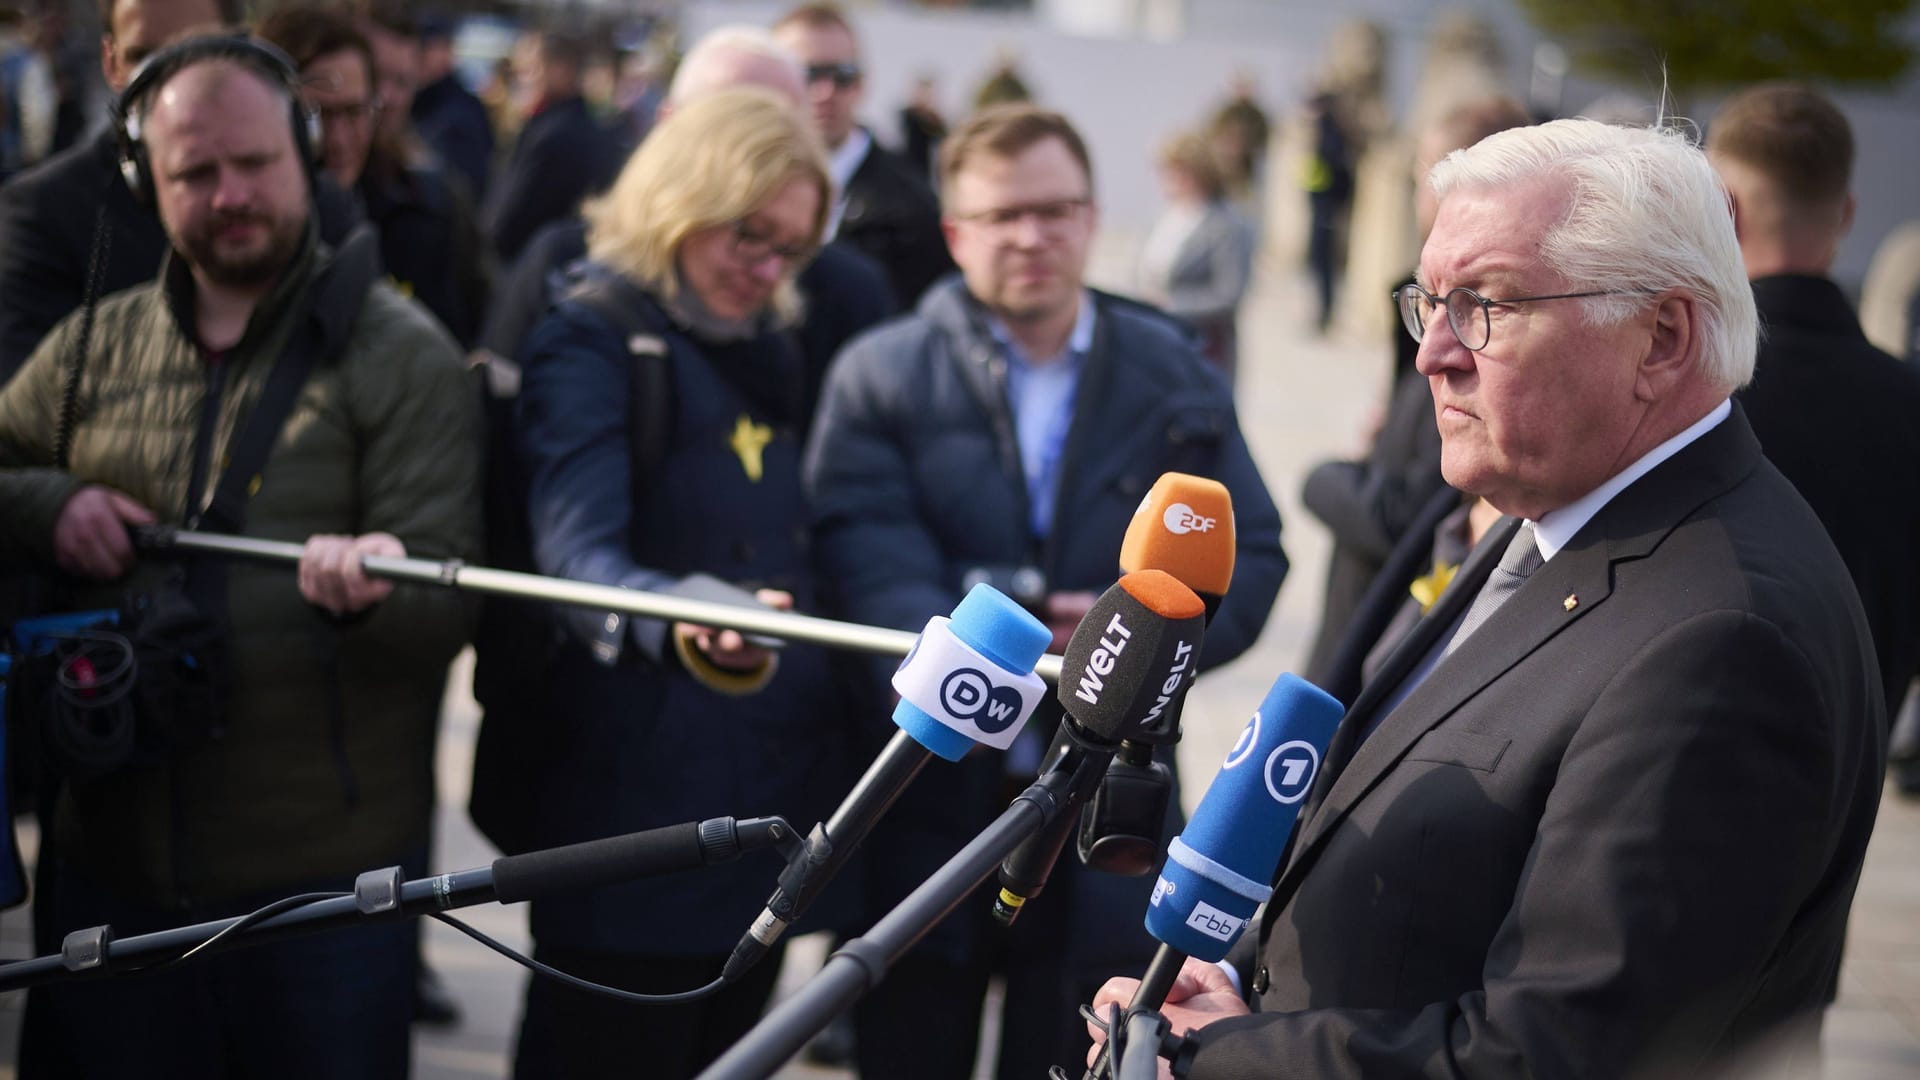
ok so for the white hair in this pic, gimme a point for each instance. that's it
(702, 70)
(1648, 214)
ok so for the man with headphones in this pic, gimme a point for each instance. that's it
(54, 216)
(266, 385)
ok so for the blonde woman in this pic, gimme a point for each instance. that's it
(656, 424)
(1198, 260)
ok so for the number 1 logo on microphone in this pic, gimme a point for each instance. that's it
(1290, 770)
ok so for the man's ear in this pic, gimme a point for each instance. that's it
(1739, 219)
(1674, 348)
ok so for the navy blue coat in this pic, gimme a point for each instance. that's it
(915, 477)
(633, 741)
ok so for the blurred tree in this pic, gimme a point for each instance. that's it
(1708, 45)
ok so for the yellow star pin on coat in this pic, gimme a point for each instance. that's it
(1428, 589)
(1572, 601)
(749, 440)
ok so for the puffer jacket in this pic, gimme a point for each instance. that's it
(325, 766)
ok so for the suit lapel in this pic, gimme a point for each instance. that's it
(1412, 649)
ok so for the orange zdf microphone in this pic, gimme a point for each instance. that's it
(1128, 662)
(1184, 527)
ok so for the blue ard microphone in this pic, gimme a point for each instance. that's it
(1217, 870)
(968, 682)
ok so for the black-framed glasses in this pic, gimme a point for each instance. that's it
(1051, 214)
(752, 245)
(841, 75)
(1468, 312)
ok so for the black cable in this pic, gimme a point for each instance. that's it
(244, 923)
(70, 393)
(574, 981)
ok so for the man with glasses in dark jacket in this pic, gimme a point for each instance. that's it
(1008, 429)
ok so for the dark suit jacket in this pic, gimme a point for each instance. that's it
(1615, 833)
(892, 215)
(47, 219)
(561, 157)
(454, 123)
(1842, 420)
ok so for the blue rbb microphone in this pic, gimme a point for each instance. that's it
(968, 681)
(1217, 870)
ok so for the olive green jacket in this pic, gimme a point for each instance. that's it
(325, 768)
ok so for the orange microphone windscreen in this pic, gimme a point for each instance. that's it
(1163, 594)
(1183, 527)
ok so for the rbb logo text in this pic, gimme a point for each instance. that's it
(1213, 922)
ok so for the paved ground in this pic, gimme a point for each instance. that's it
(1301, 399)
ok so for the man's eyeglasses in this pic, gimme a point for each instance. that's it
(1468, 311)
(753, 246)
(841, 75)
(1048, 215)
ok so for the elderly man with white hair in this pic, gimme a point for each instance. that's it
(1603, 811)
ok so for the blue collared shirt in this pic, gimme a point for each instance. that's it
(1041, 396)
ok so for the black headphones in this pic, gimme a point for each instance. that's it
(154, 72)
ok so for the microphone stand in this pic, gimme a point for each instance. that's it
(94, 952)
(1147, 999)
(861, 963)
(456, 574)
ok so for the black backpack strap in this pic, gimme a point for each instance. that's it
(320, 334)
(627, 309)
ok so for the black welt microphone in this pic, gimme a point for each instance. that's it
(1129, 661)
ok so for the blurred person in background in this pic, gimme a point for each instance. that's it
(561, 154)
(646, 723)
(1198, 260)
(447, 116)
(29, 101)
(429, 242)
(882, 207)
(922, 127)
(1237, 134)
(1839, 417)
(53, 215)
